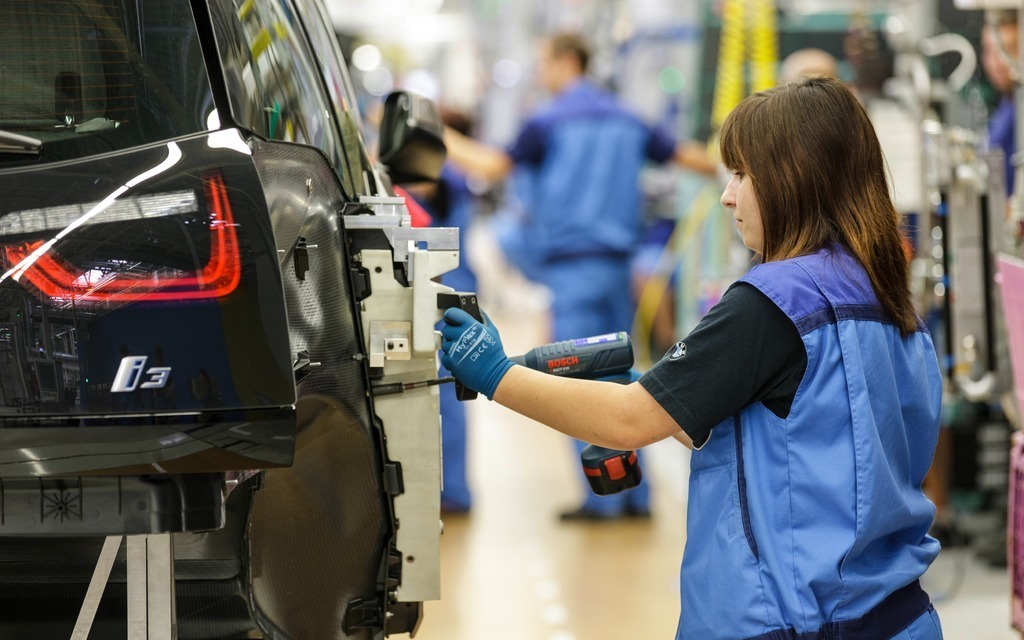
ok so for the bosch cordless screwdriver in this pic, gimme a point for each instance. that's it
(607, 470)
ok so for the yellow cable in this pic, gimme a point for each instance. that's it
(742, 20)
(654, 288)
(729, 82)
(764, 45)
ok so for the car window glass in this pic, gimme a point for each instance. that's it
(328, 53)
(291, 104)
(99, 75)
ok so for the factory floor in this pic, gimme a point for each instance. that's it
(512, 571)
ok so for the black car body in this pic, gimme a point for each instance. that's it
(206, 290)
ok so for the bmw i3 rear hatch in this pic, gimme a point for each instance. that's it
(142, 322)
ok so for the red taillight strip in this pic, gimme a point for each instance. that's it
(221, 275)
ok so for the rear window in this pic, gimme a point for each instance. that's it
(93, 76)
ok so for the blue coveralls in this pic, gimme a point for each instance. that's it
(455, 494)
(815, 526)
(584, 154)
(1002, 133)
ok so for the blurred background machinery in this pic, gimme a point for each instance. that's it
(683, 65)
(917, 64)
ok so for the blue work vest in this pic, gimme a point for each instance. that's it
(815, 526)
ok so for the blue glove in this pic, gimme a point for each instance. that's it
(473, 351)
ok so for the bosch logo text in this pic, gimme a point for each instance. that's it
(561, 363)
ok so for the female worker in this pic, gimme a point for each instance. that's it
(810, 394)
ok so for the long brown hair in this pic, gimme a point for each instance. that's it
(819, 177)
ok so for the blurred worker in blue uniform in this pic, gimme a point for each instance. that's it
(997, 62)
(810, 394)
(450, 203)
(583, 152)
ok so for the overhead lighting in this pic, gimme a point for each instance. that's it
(366, 57)
(506, 73)
(378, 81)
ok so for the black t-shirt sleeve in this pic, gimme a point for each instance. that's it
(744, 350)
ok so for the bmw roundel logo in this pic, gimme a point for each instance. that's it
(677, 351)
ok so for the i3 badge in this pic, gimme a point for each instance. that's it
(678, 351)
(133, 370)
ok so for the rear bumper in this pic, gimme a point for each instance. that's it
(111, 506)
(146, 444)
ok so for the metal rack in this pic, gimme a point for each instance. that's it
(151, 603)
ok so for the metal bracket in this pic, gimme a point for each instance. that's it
(389, 341)
(393, 482)
(427, 265)
(404, 239)
(392, 217)
(302, 366)
(362, 614)
(300, 257)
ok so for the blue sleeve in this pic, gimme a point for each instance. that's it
(1002, 134)
(530, 145)
(660, 146)
(454, 180)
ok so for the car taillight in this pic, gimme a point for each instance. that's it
(99, 273)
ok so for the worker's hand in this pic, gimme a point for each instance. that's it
(473, 351)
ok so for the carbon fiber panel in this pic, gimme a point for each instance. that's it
(304, 199)
(317, 530)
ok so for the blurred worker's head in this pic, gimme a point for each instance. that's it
(808, 62)
(562, 59)
(814, 166)
(868, 57)
(997, 67)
